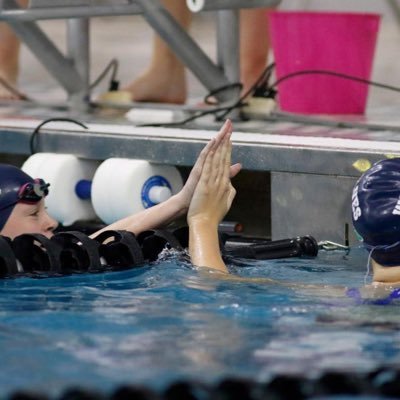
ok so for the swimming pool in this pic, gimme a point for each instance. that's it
(163, 322)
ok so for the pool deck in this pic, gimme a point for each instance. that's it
(281, 142)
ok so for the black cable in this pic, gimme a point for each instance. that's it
(267, 90)
(185, 121)
(219, 90)
(113, 82)
(262, 79)
(333, 73)
(35, 133)
(261, 85)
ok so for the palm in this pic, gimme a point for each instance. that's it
(193, 179)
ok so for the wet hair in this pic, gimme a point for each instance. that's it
(11, 180)
(376, 211)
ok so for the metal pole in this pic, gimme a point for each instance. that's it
(208, 5)
(78, 51)
(228, 47)
(67, 12)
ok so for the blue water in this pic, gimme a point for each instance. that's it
(165, 321)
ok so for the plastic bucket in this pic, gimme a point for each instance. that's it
(327, 41)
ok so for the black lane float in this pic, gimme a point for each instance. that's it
(74, 252)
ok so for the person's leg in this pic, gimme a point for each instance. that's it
(164, 80)
(9, 58)
(9, 54)
(254, 45)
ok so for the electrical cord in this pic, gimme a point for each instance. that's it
(261, 81)
(185, 121)
(333, 73)
(214, 92)
(35, 133)
(114, 84)
(262, 88)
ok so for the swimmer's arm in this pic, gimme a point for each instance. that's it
(211, 200)
(204, 246)
(151, 218)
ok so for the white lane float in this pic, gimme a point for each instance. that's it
(82, 189)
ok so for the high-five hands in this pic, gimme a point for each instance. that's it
(211, 200)
(187, 191)
(214, 192)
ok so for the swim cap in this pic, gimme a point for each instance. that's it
(376, 211)
(11, 180)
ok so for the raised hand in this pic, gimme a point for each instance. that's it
(211, 200)
(187, 191)
(214, 192)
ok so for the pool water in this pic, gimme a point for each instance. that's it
(166, 321)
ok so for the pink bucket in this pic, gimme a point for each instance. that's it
(337, 42)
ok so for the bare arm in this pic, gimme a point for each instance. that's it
(211, 200)
(151, 218)
(177, 205)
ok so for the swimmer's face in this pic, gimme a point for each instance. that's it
(29, 218)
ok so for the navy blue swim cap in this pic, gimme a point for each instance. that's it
(11, 180)
(376, 211)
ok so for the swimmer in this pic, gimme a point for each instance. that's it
(376, 219)
(22, 204)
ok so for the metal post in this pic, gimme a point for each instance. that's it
(208, 5)
(78, 51)
(68, 11)
(228, 48)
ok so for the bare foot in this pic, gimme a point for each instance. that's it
(160, 86)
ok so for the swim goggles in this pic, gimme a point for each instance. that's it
(32, 192)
